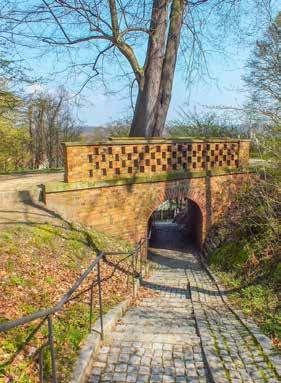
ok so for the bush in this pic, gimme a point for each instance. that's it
(245, 246)
(230, 257)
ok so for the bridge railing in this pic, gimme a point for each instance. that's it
(125, 158)
(137, 269)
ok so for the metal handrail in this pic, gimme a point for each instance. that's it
(52, 310)
(47, 314)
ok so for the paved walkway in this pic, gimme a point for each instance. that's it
(18, 182)
(185, 333)
(20, 196)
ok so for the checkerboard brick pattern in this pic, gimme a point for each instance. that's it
(135, 158)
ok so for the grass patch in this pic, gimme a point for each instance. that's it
(258, 296)
(231, 256)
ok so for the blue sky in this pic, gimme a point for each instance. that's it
(223, 85)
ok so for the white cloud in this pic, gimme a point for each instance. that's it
(35, 88)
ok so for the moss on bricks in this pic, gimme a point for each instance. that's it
(57, 187)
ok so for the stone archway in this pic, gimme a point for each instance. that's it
(194, 217)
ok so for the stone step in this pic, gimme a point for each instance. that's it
(170, 317)
(160, 331)
(165, 301)
(157, 328)
(181, 339)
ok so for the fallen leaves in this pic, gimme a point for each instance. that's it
(38, 264)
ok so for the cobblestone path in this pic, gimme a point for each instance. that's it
(186, 333)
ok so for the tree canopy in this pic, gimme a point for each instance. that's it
(264, 74)
(143, 39)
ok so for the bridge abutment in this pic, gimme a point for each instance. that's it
(115, 186)
(124, 210)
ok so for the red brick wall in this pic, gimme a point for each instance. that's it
(124, 210)
(133, 157)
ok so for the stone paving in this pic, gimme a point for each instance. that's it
(185, 333)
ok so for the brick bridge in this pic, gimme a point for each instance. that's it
(115, 186)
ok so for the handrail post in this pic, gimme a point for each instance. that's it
(91, 307)
(47, 314)
(52, 349)
(141, 262)
(145, 256)
(135, 268)
(41, 365)
(133, 274)
(100, 300)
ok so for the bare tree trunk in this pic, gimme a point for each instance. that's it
(42, 155)
(156, 86)
(31, 135)
(146, 105)
(54, 131)
(169, 65)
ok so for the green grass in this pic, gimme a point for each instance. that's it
(231, 256)
(276, 277)
(259, 297)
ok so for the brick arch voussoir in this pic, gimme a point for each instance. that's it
(199, 198)
(194, 195)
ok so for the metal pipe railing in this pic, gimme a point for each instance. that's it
(138, 255)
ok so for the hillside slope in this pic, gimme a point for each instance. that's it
(38, 264)
(245, 250)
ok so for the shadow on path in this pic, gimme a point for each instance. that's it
(179, 253)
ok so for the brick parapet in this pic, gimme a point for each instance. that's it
(115, 186)
(129, 158)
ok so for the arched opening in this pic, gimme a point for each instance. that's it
(176, 225)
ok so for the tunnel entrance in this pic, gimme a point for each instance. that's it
(176, 225)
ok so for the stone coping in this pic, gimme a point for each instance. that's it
(56, 187)
(152, 140)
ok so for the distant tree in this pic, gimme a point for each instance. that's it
(118, 128)
(14, 138)
(263, 80)
(205, 124)
(143, 38)
(50, 122)
(264, 77)
(14, 143)
(14, 146)
(9, 102)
